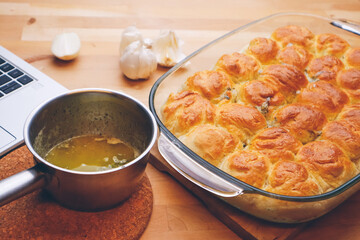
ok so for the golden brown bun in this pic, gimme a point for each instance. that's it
(210, 142)
(325, 68)
(353, 57)
(287, 78)
(303, 121)
(291, 178)
(293, 34)
(327, 163)
(263, 49)
(261, 94)
(351, 115)
(248, 166)
(240, 120)
(276, 143)
(344, 135)
(185, 110)
(325, 96)
(295, 56)
(330, 44)
(238, 66)
(349, 80)
(213, 85)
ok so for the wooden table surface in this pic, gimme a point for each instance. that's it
(28, 27)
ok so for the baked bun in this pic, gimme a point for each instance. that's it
(276, 143)
(330, 44)
(248, 166)
(293, 179)
(325, 68)
(295, 56)
(238, 66)
(349, 80)
(345, 135)
(303, 121)
(351, 115)
(325, 96)
(327, 163)
(213, 85)
(261, 94)
(353, 57)
(240, 120)
(186, 109)
(210, 142)
(263, 49)
(287, 78)
(293, 34)
(282, 114)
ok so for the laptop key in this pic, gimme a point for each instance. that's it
(8, 88)
(15, 73)
(7, 67)
(25, 79)
(4, 79)
(1, 94)
(3, 87)
(1, 61)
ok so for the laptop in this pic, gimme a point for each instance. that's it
(22, 88)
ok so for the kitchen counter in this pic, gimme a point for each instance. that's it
(27, 28)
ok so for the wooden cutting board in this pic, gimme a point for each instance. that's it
(245, 225)
(38, 216)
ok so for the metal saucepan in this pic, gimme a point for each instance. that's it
(76, 113)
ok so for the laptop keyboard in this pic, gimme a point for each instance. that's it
(11, 78)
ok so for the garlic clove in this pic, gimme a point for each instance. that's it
(167, 48)
(129, 35)
(66, 46)
(148, 42)
(137, 61)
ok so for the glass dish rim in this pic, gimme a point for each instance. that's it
(194, 157)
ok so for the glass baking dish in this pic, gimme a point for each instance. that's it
(260, 203)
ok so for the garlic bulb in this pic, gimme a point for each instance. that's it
(129, 35)
(66, 46)
(167, 48)
(137, 61)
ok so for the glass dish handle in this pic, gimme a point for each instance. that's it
(194, 172)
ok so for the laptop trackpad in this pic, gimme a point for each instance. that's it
(5, 137)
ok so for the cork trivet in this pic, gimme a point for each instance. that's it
(38, 216)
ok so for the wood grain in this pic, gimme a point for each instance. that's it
(28, 27)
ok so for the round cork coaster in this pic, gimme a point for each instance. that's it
(38, 216)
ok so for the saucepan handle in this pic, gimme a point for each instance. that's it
(21, 184)
(194, 172)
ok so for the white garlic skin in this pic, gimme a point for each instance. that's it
(167, 48)
(66, 46)
(148, 42)
(130, 34)
(137, 61)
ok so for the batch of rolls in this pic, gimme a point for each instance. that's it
(283, 115)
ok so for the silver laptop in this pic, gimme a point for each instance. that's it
(22, 88)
